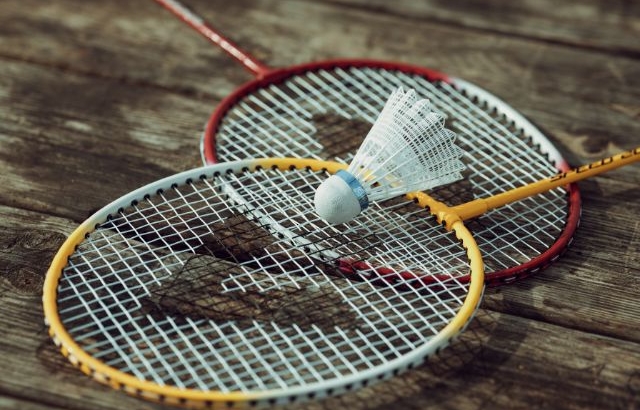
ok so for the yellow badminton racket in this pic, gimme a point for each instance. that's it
(220, 286)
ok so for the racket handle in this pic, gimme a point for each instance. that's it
(197, 23)
(478, 207)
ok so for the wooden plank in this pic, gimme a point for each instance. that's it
(13, 403)
(554, 85)
(559, 88)
(608, 26)
(502, 360)
(77, 144)
(595, 285)
(35, 375)
(115, 39)
(94, 124)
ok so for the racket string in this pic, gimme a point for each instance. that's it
(192, 288)
(501, 155)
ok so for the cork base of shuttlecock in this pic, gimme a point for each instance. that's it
(335, 201)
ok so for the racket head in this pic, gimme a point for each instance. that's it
(158, 295)
(323, 110)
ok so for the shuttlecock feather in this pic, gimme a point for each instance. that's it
(407, 149)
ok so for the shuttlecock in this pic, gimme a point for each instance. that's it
(407, 149)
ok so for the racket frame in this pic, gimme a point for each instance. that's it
(265, 76)
(194, 398)
(574, 208)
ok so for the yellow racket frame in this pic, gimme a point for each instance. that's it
(193, 398)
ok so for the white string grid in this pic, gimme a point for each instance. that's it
(231, 283)
(327, 114)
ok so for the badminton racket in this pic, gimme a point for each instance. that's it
(213, 286)
(187, 292)
(324, 109)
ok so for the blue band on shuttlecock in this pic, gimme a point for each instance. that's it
(356, 187)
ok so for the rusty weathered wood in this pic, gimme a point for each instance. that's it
(98, 99)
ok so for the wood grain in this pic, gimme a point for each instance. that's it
(603, 25)
(98, 99)
(536, 77)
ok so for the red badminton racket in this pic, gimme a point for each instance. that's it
(324, 109)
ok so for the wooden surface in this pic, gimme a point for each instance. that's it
(99, 98)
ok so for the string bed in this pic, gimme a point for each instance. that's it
(227, 282)
(326, 114)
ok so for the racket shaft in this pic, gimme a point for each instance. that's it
(480, 206)
(197, 23)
